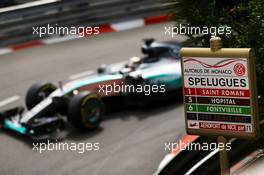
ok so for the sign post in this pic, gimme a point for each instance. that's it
(224, 162)
(220, 95)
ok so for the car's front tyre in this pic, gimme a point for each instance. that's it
(37, 92)
(85, 110)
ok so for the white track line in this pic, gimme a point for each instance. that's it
(82, 74)
(60, 39)
(201, 162)
(4, 51)
(9, 100)
(118, 64)
(120, 26)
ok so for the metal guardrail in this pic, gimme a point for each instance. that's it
(16, 22)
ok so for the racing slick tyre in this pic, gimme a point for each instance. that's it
(85, 110)
(38, 92)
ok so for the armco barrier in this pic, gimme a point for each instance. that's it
(105, 28)
(16, 22)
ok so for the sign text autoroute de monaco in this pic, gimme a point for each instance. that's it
(218, 95)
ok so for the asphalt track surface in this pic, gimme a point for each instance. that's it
(131, 141)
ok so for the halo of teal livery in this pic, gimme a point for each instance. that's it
(83, 102)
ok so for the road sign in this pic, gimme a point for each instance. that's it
(220, 92)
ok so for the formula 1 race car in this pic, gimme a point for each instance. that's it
(82, 102)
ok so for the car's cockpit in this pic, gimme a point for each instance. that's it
(153, 52)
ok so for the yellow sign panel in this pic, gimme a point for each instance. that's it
(220, 95)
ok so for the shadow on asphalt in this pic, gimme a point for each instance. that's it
(152, 110)
(140, 112)
(143, 112)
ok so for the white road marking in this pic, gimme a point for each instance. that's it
(201, 162)
(60, 39)
(119, 64)
(9, 100)
(4, 51)
(82, 74)
(120, 26)
(90, 72)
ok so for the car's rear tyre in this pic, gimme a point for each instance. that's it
(85, 110)
(37, 92)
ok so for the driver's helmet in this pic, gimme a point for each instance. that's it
(134, 61)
